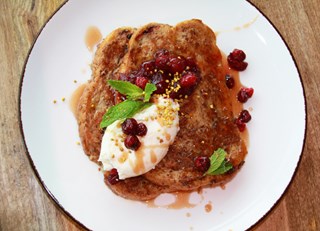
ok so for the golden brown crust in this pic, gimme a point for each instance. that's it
(137, 188)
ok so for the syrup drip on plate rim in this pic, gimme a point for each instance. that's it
(238, 28)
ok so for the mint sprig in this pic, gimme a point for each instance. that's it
(137, 100)
(132, 91)
(218, 163)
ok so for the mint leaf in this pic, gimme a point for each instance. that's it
(218, 163)
(148, 90)
(130, 90)
(216, 159)
(122, 110)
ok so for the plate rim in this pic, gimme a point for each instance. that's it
(44, 187)
(277, 202)
(79, 223)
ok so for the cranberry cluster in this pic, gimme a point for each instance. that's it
(132, 129)
(242, 119)
(236, 60)
(172, 74)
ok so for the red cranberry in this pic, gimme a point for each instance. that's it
(230, 81)
(245, 116)
(129, 126)
(238, 55)
(236, 60)
(113, 176)
(132, 142)
(177, 64)
(142, 129)
(141, 81)
(241, 125)
(188, 80)
(202, 163)
(244, 94)
(161, 61)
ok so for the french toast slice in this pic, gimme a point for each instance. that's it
(97, 95)
(206, 117)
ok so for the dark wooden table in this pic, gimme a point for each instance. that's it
(23, 203)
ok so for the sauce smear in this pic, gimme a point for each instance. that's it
(181, 200)
(93, 37)
(75, 97)
(208, 207)
(237, 107)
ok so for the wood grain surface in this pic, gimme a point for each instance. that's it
(24, 205)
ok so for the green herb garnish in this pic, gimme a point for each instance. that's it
(133, 92)
(148, 90)
(218, 163)
(132, 105)
(123, 110)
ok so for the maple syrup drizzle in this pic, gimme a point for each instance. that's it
(92, 37)
(75, 97)
(153, 157)
(139, 164)
(237, 28)
(246, 25)
(181, 201)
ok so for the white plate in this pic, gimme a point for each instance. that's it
(59, 56)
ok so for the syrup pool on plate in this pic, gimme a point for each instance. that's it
(92, 37)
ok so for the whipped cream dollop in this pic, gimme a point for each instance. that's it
(162, 121)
